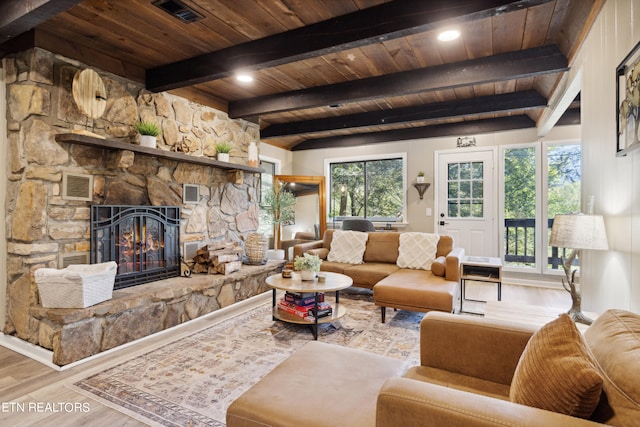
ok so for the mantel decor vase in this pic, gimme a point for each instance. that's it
(255, 248)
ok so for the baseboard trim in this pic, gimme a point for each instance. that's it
(45, 356)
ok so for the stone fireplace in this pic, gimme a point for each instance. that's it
(143, 240)
(44, 228)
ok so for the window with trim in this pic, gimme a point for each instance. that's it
(465, 191)
(539, 181)
(371, 188)
(266, 185)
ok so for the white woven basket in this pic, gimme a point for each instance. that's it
(76, 286)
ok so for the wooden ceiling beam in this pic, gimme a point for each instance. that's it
(505, 66)
(19, 16)
(570, 117)
(450, 129)
(368, 26)
(443, 110)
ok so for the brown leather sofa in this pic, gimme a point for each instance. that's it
(467, 365)
(299, 237)
(399, 288)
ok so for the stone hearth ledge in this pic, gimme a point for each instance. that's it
(133, 313)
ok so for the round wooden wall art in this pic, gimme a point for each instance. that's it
(89, 93)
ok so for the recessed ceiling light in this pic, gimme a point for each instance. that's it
(244, 78)
(448, 35)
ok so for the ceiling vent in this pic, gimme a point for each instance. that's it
(179, 10)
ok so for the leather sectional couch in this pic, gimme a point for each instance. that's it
(399, 288)
(466, 373)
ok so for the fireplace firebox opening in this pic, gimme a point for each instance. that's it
(143, 240)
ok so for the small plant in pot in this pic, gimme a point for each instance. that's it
(307, 265)
(149, 132)
(222, 151)
(420, 177)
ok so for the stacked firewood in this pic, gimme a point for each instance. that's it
(218, 258)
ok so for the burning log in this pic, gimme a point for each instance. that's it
(218, 258)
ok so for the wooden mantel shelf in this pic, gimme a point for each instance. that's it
(109, 144)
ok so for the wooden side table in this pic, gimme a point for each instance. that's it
(480, 269)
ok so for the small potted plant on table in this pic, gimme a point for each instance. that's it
(222, 151)
(307, 265)
(149, 132)
(420, 177)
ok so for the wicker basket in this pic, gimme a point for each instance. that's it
(255, 248)
(77, 286)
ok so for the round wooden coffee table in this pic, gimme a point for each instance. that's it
(334, 282)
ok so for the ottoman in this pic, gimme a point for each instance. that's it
(416, 290)
(319, 385)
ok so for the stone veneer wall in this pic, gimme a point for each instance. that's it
(41, 225)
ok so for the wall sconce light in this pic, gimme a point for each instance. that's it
(466, 141)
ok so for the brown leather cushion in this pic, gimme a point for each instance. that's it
(334, 267)
(614, 341)
(320, 384)
(416, 290)
(382, 247)
(458, 381)
(438, 266)
(367, 275)
(321, 252)
(445, 244)
(556, 371)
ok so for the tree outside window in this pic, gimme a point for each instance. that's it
(560, 169)
(371, 189)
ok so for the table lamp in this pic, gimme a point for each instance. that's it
(577, 232)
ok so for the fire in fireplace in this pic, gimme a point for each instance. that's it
(143, 240)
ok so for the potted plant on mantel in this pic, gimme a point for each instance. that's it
(420, 177)
(222, 151)
(307, 265)
(149, 132)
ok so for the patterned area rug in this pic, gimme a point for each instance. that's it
(192, 381)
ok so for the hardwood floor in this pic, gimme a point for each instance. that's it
(27, 386)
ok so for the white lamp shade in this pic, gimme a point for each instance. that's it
(579, 231)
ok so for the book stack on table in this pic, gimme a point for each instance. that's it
(303, 305)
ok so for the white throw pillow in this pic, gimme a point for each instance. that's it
(348, 246)
(417, 250)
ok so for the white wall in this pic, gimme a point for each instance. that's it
(285, 157)
(4, 144)
(306, 210)
(421, 158)
(611, 279)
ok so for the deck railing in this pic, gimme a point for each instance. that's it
(521, 243)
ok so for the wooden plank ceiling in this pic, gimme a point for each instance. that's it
(326, 73)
